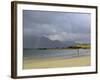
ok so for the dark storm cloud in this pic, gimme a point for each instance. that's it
(60, 26)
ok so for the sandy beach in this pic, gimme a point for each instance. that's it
(57, 62)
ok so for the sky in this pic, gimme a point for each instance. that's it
(60, 26)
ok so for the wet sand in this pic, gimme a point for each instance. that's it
(57, 62)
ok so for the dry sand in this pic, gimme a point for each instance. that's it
(57, 62)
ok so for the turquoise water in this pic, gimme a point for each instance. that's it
(43, 54)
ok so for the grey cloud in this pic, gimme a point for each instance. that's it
(53, 24)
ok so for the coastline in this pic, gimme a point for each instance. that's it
(57, 62)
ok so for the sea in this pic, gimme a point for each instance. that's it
(54, 53)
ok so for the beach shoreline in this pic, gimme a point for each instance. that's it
(57, 62)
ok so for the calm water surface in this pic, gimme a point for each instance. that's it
(37, 54)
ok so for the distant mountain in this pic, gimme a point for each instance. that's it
(44, 42)
(70, 43)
